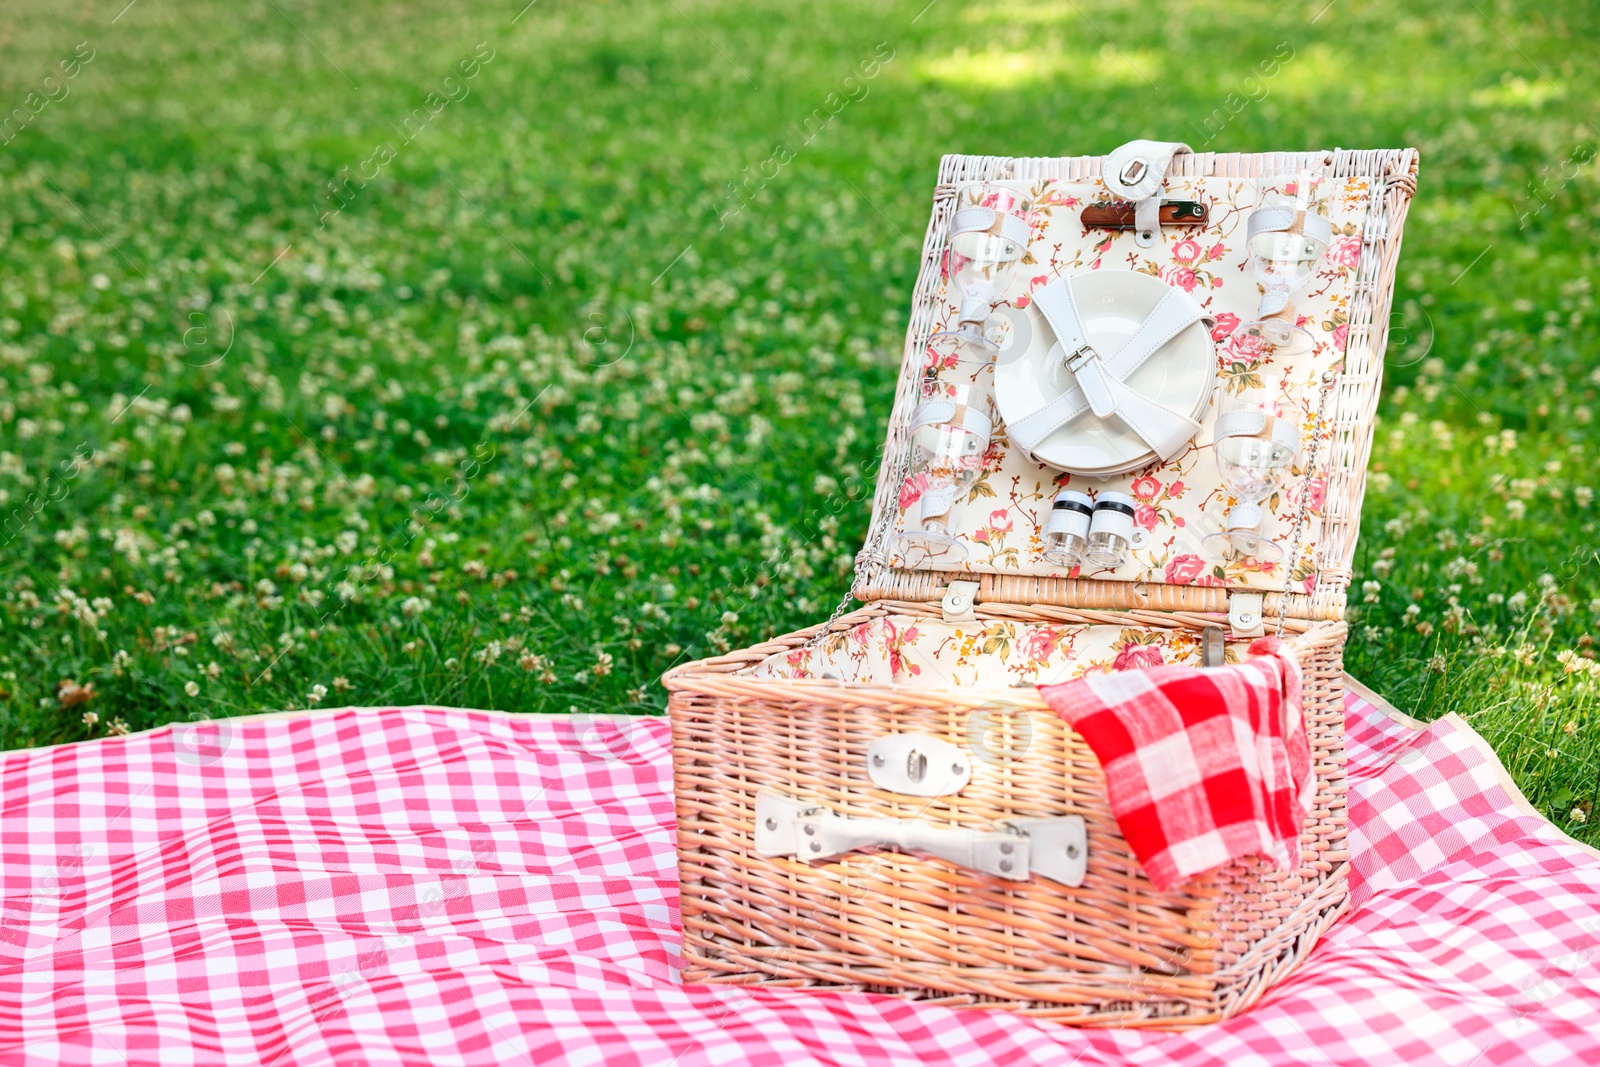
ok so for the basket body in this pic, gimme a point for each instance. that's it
(796, 716)
(1114, 951)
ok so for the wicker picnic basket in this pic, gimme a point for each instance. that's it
(936, 657)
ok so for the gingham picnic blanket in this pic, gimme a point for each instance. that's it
(439, 886)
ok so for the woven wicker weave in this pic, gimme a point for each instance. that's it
(1113, 951)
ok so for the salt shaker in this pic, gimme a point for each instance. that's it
(1066, 531)
(1111, 530)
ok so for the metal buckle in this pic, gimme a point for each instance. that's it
(1133, 172)
(1079, 356)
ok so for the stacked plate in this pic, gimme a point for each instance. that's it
(1031, 372)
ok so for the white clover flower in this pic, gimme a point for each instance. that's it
(1516, 509)
(413, 606)
(316, 694)
(1578, 815)
(192, 688)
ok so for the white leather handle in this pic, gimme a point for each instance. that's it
(1015, 850)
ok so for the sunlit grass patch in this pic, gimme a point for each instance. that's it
(560, 395)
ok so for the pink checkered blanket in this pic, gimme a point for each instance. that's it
(437, 886)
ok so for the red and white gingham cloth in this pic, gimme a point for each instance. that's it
(1202, 766)
(431, 886)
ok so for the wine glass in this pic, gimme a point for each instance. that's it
(950, 430)
(1256, 444)
(1289, 230)
(987, 243)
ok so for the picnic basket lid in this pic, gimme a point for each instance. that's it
(1335, 387)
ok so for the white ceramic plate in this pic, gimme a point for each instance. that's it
(1112, 304)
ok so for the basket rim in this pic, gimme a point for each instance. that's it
(728, 670)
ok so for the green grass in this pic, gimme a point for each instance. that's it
(543, 407)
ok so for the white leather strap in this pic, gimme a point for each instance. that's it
(936, 503)
(1244, 516)
(988, 220)
(1245, 617)
(1101, 381)
(1137, 171)
(1147, 220)
(1275, 303)
(1257, 424)
(944, 410)
(1288, 220)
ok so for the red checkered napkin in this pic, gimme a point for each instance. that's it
(1202, 766)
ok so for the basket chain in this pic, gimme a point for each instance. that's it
(1329, 377)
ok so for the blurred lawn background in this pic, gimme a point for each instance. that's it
(530, 404)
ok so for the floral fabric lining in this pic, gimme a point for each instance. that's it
(1180, 501)
(988, 653)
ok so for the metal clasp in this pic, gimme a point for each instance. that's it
(917, 765)
(1079, 356)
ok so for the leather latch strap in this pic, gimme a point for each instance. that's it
(1137, 171)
